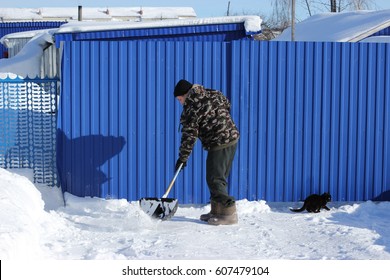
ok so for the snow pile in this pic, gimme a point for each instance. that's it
(94, 228)
(21, 215)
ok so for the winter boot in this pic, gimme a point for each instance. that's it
(226, 215)
(206, 217)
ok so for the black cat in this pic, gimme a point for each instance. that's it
(314, 203)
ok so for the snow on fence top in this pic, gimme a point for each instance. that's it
(252, 24)
(216, 29)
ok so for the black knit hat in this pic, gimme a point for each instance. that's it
(182, 87)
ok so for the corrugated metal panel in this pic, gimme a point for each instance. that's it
(118, 96)
(50, 62)
(13, 27)
(17, 46)
(313, 117)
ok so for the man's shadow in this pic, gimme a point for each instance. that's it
(79, 162)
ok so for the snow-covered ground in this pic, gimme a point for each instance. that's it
(36, 225)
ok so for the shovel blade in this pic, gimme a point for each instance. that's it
(159, 208)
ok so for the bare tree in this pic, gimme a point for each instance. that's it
(281, 8)
(281, 16)
(333, 6)
(308, 7)
(362, 4)
(336, 5)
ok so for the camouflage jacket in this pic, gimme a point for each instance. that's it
(206, 115)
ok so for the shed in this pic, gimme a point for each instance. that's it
(341, 27)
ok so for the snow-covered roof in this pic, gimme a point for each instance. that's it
(216, 29)
(252, 24)
(25, 35)
(339, 27)
(95, 13)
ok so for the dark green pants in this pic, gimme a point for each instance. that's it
(218, 167)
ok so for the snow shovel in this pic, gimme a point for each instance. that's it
(163, 208)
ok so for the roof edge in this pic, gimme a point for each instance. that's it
(369, 32)
(252, 24)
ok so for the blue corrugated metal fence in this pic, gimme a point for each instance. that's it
(313, 117)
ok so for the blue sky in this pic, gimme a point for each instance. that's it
(203, 8)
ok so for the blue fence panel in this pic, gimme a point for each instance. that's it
(323, 113)
(127, 111)
(313, 117)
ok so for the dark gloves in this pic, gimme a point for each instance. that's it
(178, 162)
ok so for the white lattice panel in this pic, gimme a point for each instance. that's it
(28, 124)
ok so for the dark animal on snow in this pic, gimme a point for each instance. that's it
(314, 203)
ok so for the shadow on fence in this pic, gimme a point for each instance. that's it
(84, 176)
